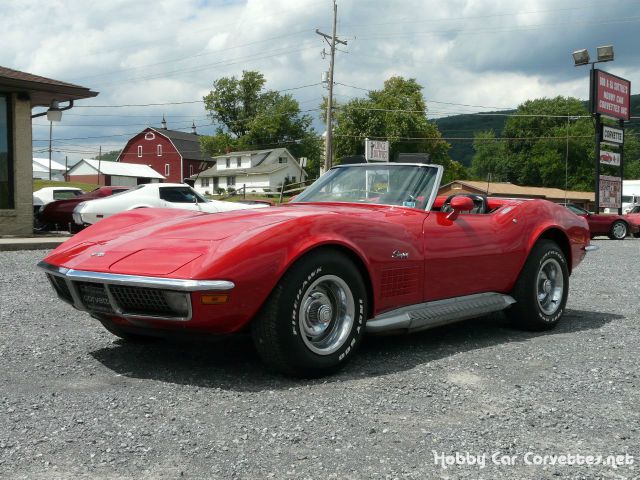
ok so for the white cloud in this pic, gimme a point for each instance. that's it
(476, 52)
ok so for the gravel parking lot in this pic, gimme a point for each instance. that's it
(75, 402)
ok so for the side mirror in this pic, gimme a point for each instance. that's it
(459, 204)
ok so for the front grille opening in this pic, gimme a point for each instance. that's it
(148, 302)
(61, 287)
(94, 297)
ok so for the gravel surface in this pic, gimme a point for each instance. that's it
(75, 402)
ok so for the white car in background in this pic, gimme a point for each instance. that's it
(150, 195)
(50, 194)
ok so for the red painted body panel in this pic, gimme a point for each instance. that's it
(473, 254)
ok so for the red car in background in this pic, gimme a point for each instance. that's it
(634, 217)
(616, 227)
(58, 215)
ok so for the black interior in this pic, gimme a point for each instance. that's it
(479, 202)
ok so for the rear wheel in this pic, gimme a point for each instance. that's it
(314, 319)
(618, 230)
(541, 290)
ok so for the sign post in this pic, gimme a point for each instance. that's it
(376, 150)
(610, 97)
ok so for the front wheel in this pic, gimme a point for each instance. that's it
(541, 289)
(618, 230)
(314, 319)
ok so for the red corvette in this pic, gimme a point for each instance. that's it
(365, 248)
(616, 227)
(58, 214)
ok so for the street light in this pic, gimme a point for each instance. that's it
(581, 57)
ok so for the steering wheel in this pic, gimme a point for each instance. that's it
(479, 201)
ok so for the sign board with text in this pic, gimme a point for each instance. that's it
(612, 95)
(612, 135)
(376, 150)
(610, 192)
(609, 158)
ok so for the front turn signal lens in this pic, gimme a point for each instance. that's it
(214, 299)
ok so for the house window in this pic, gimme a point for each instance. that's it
(6, 156)
(190, 170)
(204, 182)
(238, 162)
(282, 160)
(139, 150)
(167, 170)
(228, 163)
(149, 136)
(231, 181)
(293, 179)
(159, 150)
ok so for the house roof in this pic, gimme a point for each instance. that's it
(510, 189)
(119, 168)
(187, 144)
(265, 162)
(41, 90)
(44, 163)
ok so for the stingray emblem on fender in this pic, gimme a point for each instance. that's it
(399, 254)
(97, 254)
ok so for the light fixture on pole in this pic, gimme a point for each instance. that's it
(581, 57)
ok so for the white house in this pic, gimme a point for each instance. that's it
(41, 169)
(256, 169)
(112, 173)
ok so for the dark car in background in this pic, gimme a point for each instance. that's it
(58, 215)
(616, 227)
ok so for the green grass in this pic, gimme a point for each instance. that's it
(87, 187)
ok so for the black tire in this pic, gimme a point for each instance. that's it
(120, 332)
(314, 319)
(619, 230)
(540, 297)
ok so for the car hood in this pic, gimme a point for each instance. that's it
(160, 241)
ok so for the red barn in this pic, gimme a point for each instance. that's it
(173, 154)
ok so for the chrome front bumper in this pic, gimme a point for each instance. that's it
(128, 296)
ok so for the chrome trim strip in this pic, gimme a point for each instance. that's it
(439, 312)
(591, 248)
(183, 285)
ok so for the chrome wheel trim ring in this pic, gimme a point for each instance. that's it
(326, 314)
(619, 230)
(550, 286)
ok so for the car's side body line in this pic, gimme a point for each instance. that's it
(427, 315)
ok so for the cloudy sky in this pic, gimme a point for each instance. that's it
(470, 55)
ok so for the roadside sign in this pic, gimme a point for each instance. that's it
(612, 96)
(376, 150)
(610, 192)
(609, 158)
(612, 135)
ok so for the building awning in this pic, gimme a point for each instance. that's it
(41, 90)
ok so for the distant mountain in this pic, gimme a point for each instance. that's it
(464, 126)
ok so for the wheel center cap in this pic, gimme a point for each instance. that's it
(547, 286)
(325, 312)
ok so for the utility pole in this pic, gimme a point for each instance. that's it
(331, 40)
(99, 160)
(50, 132)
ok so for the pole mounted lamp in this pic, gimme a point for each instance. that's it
(581, 57)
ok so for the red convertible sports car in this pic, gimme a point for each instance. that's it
(367, 247)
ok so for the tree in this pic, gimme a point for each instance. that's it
(396, 113)
(251, 117)
(548, 142)
(111, 156)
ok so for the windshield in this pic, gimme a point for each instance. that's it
(627, 199)
(410, 186)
